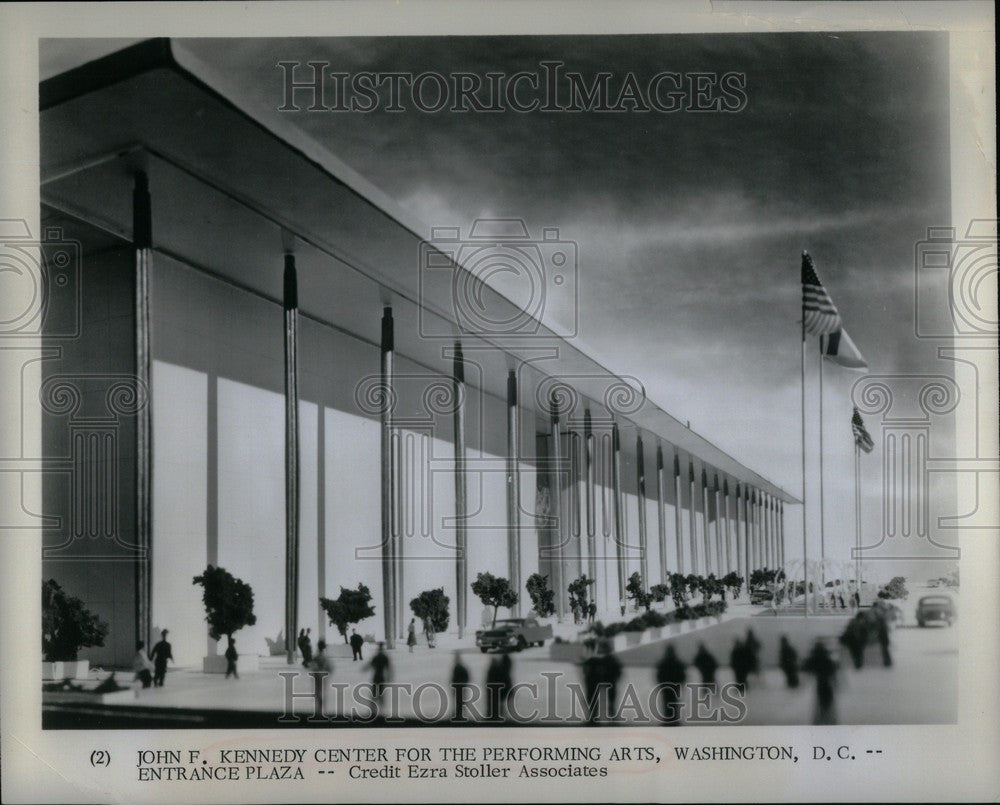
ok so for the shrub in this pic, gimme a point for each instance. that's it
(432, 605)
(895, 589)
(636, 593)
(542, 596)
(578, 592)
(351, 606)
(67, 625)
(659, 592)
(228, 602)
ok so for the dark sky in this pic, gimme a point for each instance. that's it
(689, 225)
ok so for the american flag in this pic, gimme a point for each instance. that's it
(818, 311)
(861, 437)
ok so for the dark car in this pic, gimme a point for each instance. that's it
(761, 595)
(935, 609)
(513, 633)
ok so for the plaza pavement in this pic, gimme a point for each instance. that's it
(920, 687)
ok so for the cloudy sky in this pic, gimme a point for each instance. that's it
(689, 225)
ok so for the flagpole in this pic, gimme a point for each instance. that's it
(822, 509)
(805, 546)
(857, 517)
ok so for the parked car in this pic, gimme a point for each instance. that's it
(513, 633)
(935, 609)
(761, 595)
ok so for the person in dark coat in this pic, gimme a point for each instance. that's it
(307, 653)
(380, 673)
(706, 664)
(357, 643)
(494, 685)
(882, 635)
(788, 659)
(821, 665)
(506, 682)
(231, 658)
(459, 682)
(671, 674)
(592, 610)
(411, 634)
(160, 654)
(753, 651)
(600, 679)
(741, 662)
(855, 638)
(300, 641)
(320, 668)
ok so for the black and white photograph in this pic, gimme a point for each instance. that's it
(601, 406)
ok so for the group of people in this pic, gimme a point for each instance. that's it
(429, 633)
(584, 611)
(151, 669)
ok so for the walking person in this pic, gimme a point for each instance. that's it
(592, 611)
(142, 665)
(429, 633)
(670, 676)
(160, 654)
(506, 682)
(459, 682)
(706, 664)
(494, 677)
(576, 613)
(788, 659)
(411, 634)
(307, 648)
(821, 665)
(300, 641)
(741, 662)
(380, 667)
(357, 643)
(882, 635)
(320, 668)
(231, 658)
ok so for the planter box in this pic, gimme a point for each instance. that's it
(217, 664)
(66, 669)
(72, 697)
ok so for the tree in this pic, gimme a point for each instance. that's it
(693, 582)
(659, 592)
(896, 588)
(542, 596)
(432, 605)
(678, 589)
(578, 592)
(67, 625)
(228, 602)
(351, 606)
(494, 591)
(734, 581)
(635, 591)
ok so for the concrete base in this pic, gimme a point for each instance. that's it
(67, 697)
(68, 669)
